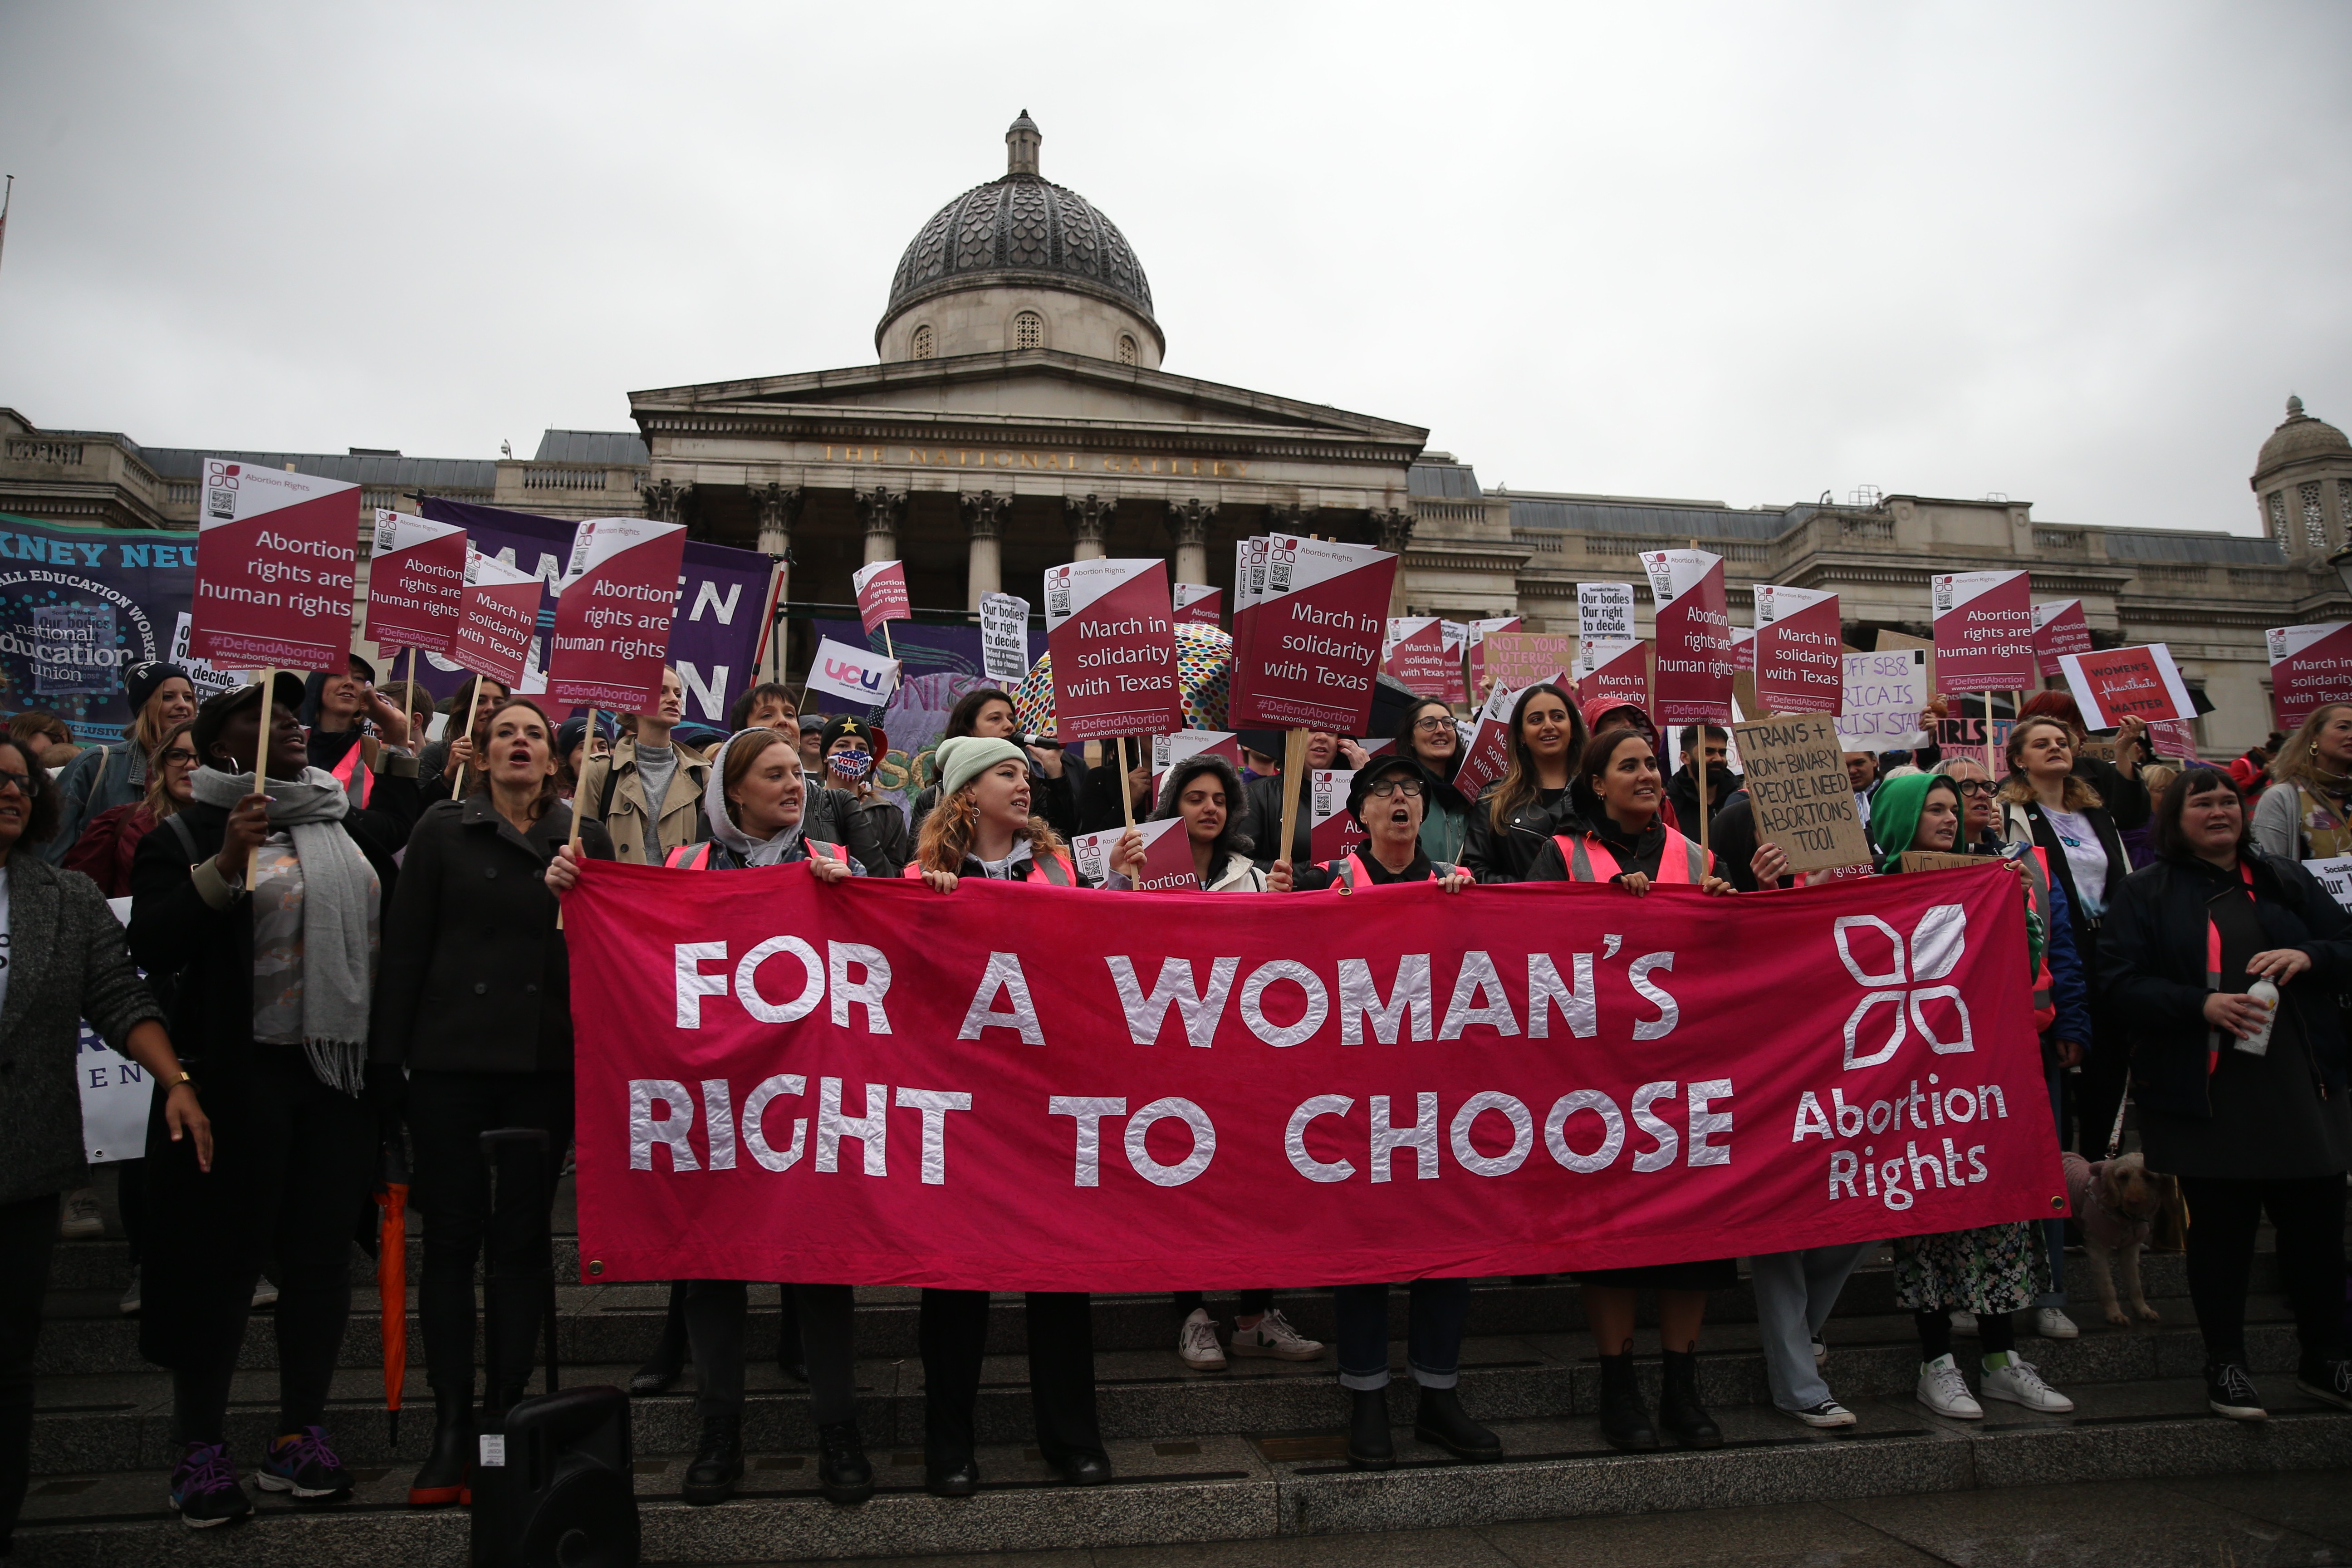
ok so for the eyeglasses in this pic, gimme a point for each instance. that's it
(22, 784)
(180, 757)
(1434, 722)
(1409, 788)
(1974, 787)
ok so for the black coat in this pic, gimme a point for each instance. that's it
(1681, 793)
(2126, 799)
(2151, 956)
(473, 976)
(2102, 822)
(1505, 854)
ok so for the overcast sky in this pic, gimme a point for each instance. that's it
(2077, 254)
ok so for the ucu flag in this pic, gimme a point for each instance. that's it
(854, 673)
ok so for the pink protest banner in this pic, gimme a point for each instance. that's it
(2174, 738)
(1799, 653)
(1695, 664)
(1455, 636)
(1315, 647)
(881, 590)
(1516, 660)
(1108, 626)
(778, 1079)
(613, 614)
(1416, 656)
(1331, 832)
(2116, 683)
(276, 558)
(1984, 631)
(2310, 666)
(497, 620)
(1167, 855)
(1486, 754)
(2059, 629)
(1200, 605)
(416, 582)
(1618, 671)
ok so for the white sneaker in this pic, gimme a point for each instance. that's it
(265, 1294)
(1196, 1343)
(1942, 1390)
(1273, 1335)
(1828, 1413)
(2052, 1323)
(2018, 1383)
(1963, 1320)
(129, 1302)
(1820, 1351)
(80, 1220)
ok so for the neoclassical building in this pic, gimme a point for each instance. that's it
(1019, 414)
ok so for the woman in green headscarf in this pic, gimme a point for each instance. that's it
(1994, 1269)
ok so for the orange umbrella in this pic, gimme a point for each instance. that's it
(392, 1291)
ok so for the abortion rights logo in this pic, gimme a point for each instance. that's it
(1892, 975)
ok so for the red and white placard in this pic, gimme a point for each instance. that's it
(1249, 588)
(2113, 684)
(881, 590)
(1414, 656)
(2310, 666)
(276, 554)
(1167, 855)
(1108, 626)
(2059, 629)
(416, 582)
(613, 614)
(1984, 631)
(1800, 652)
(497, 620)
(1693, 664)
(1486, 752)
(1198, 604)
(1619, 671)
(1315, 648)
(1479, 632)
(1331, 832)
(1167, 751)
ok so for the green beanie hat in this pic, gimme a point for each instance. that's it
(964, 758)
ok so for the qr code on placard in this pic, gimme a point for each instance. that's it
(1943, 593)
(1058, 598)
(220, 503)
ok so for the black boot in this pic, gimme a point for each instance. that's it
(442, 1478)
(669, 1356)
(1442, 1421)
(841, 1472)
(950, 1476)
(1679, 1411)
(1624, 1419)
(1369, 1448)
(718, 1462)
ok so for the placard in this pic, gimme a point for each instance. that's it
(1108, 627)
(416, 583)
(2117, 683)
(1476, 659)
(613, 614)
(1798, 789)
(1487, 749)
(1617, 671)
(1413, 655)
(1316, 646)
(2059, 629)
(2311, 666)
(277, 553)
(1249, 590)
(1199, 604)
(1885, 694)
(1004, 637)
(2335, 874)
(2174, 738)
(1331, 832)
(1515, 661)
(1167, 855)
(497, 620)
(1800, 651)
(1604, 611)
(1693, 669)
(1167, 751)
(881, 589)
(1939, 860)
(1984, 631)
(857, 674)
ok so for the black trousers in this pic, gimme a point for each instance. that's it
(715, 1314)
(954, 1336)
(293, 1163)
(28, 1235)
(450, 1186)
(2308, 1214)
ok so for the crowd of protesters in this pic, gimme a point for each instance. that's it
(363, 959)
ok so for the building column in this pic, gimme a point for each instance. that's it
(1392, 529)
(1292, 518)
(879, 509)
(779, 508)
(1089, 523)
(1188, 525)
(666, 500)
(983, 517)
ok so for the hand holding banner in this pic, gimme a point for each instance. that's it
(276, 558)
(613, 614)
(416, 583)
(1114, 644)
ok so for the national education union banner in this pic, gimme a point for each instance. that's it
(79, 606)
(1017, 1086)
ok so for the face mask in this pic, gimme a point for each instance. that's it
(851, 764)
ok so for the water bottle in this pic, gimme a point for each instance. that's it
(2258, 1043)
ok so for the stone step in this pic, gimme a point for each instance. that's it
(1252, 1484)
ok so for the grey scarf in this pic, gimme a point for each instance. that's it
(335, 878)
(750, 851)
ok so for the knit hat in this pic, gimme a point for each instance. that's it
(964, 758)
(841, 724)
(285, 691)
(141, 680)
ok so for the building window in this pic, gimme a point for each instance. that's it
(2278, 520)
(923, 340)
(1126, 349)
(2314, 523)
(1028, 330)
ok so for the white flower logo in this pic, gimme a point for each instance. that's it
(1934, 949)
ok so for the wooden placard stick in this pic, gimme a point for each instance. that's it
(1701, 765)
(1125, 790)
(1293, 763)
(1990, 771)
(473, 696)
(260, 765)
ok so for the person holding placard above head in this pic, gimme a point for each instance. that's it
(2308, 816)
(461, 742)
(473, 1004)
(2223, 967)
(352, 726)
(648, 793)
(988, 713)
(1992, 1270)
(982, 827)
(273, 932)
(160, 695)
(1516, 815)
(1426, 733)
(873, 827)
(2118, 783)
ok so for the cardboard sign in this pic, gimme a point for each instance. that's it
(1618, 671)
(2310, 666)
(1167, 751)
(1514, 661)
(1315, 648)
(1167, 855)
(1800, 652)
(1004, 637)
(1331, 833)
(1604, 612)
(1693, 664)
(1939, 860)
(613, 614)
(2116, 682)
(1199, 604)
(1414, 657)
(2335, 874)
(1798, 789)
(1477, 654)
(857, 675)
(277, 553)
(1885, 694)
(1108, 627)
(881, 590)
(2059, 629)
(1984, 631)
(416, 583)
(497, 620)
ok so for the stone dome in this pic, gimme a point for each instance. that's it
(2300, 439)
(1021, 231)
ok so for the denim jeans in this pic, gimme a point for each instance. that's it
(1432, 1335)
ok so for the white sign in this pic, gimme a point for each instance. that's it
(857, 675)
(2335, 875)
(1604, 612)
(1885, 692)
(116, 1091)
(1004, 637)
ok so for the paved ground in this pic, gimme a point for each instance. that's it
(2224, 1521)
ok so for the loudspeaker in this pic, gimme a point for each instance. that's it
(555, 1489)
